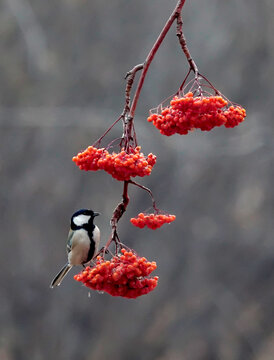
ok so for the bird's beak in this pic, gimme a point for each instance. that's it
(96, 214)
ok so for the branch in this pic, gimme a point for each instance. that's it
(182, 41)
(130, 79)
(117, 214)
(98, 141)
(149, 191)
(176, 12)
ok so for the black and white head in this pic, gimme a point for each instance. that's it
(83, 219)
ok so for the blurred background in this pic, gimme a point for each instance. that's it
(62, 67)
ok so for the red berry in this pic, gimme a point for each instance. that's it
(125, 275)
(152, 221)
(121, 166)
(201, 112)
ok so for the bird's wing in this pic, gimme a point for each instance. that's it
(69, 242)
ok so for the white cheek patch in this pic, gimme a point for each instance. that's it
(80, 220)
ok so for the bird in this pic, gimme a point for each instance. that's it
(82, 243)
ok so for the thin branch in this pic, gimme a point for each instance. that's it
(211, 85)
(149, 191)
(117, 214)
(111, 143)
(153, 51)
(184, 47)
(128, 126)
(183, 83)
(107, 131)
(130, 79)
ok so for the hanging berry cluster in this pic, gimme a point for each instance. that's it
(187, 113)
(121, 166)
(152, 221)
(125, 275)
(196, 105)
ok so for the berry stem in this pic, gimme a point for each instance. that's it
(211, 85)
(149, 191)
(183, 83)
(111, 143)
(98, 141)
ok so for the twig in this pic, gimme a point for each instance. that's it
(183, 83)
(149, 191)
(98, 141)
(130, 80)
(117, 214)
(184, 47)
(211, 85)
(152, 53)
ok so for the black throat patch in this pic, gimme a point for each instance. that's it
(90, 228)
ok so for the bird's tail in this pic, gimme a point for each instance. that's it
(60, 276)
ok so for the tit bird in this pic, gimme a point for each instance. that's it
(83, 242)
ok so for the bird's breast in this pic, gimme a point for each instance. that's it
(80, 245)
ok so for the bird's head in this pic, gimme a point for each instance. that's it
(83, 218)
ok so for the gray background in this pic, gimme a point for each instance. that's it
(62, 65)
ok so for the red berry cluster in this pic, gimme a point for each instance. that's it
(201, 112)
(152, 221)
(124, 275)
(121, 166)
(234, 115)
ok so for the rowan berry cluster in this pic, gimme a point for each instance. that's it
(234, 115)
(121, 166)
(152, 221)
(124, 275)
(200, 112)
